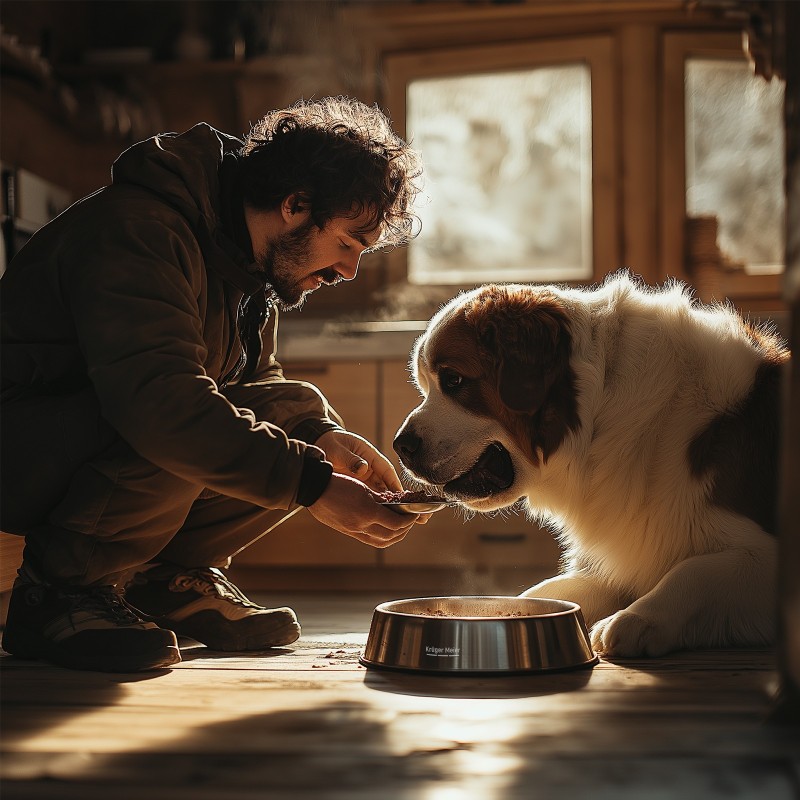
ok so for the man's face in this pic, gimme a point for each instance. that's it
(300, 260)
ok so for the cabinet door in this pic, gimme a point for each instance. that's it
(11, 548)
(302, 541)
(451, 538)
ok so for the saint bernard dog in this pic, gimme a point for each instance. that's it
(642, 427)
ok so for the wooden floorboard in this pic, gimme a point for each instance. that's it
(308, 721)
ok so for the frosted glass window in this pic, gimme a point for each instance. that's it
(735, 159)
(508, 176)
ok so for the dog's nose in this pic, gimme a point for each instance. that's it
(405, 444)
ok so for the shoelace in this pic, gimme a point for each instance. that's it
(211, 581)
(104, 601)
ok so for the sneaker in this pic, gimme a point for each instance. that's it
(83, 627)
(204, 605)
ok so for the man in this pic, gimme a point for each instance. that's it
(147, 428)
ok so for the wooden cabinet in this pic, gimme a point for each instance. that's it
(11, 548)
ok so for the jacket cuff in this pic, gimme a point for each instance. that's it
(314, 480)
(309, 430)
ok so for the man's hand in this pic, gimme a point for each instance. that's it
(353, 455)
(348, 506)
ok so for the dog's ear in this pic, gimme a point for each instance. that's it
(526, 332)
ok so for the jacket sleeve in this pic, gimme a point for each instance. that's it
(297, 407)
(133, 292)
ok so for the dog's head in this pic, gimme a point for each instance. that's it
(498, 392)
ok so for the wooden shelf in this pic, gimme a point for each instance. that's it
(284, 65)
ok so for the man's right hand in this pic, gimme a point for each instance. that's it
(347, 505)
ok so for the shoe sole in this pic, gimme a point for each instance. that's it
(144, 661)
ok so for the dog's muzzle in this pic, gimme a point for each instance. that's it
(493, 472)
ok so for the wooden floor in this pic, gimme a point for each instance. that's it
(309, 721)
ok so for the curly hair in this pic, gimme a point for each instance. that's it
(344, 157)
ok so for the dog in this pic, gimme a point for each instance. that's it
(639, 425)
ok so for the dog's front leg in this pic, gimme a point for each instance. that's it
(595, 597)
(724, 599)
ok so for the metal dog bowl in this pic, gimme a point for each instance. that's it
(478, 635)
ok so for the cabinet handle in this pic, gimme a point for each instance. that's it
(502, 538)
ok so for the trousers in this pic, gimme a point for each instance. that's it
(91, 509)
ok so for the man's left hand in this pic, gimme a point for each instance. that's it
(353, 455)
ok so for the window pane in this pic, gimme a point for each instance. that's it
(508, 176)
(735, 158)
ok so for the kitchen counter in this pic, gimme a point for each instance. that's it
(312, 340)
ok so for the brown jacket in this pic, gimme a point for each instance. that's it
(134, 291)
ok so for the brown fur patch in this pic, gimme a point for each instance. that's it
(514, 345)
(740, 449)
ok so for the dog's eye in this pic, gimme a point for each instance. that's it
(450, 380)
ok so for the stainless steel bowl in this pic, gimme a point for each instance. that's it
(478, 634)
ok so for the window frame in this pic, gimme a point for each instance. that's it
(754, 288)
(596, 52)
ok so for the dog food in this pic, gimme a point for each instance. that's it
(437, 612)
(408, 496)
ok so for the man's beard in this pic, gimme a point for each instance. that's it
(282, 262)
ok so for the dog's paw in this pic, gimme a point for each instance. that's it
(629, 635)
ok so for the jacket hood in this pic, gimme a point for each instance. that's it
(182, 168)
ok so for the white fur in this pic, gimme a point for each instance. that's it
(653, 563)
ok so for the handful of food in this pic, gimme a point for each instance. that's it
(408, 502)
